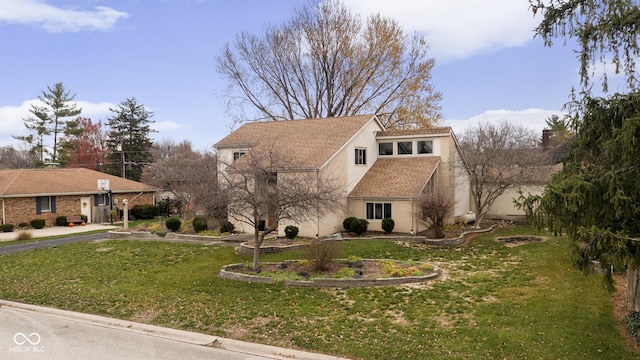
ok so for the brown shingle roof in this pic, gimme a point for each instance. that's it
(396, 177)
(423, 131)
(35, 182)
(309, 143)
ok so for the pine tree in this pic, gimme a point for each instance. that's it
(128, 141)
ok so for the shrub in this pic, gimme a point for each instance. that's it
(37, 223)
(226, 227)
(322, 253)
(633, 325)
(359, 226)
(84, 218)
(199, 224)
(144, 211)
(24, 235)
(23, 225)
(61, 221)
(291, 231)
(387, 225)
(173, 223)
(346, 223)
(6, 227)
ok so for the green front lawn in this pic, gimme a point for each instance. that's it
(493, 302)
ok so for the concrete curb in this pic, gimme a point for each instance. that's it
(194, 338)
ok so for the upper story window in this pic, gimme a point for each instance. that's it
(385, 148)
(237, 154)
(405, 148)
(425, 147)
(361, 156)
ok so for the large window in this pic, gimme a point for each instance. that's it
(45, 204)
(385, 149)
(425, 147)
(101, 199)
(378, 211)
(361, 156)
(405, 148)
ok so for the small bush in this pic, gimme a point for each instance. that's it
(359, 226)
(291, 231)
(61, 221)
(173, 224)
(141, 212)
(388, 225)
(24, 235)
(23, 225)
(160, 233)
(84, 218)
(37, 223)
(226, 227)
(199, 224)
(346, 223)
(322, 254)
(633, 325)
(6, 227)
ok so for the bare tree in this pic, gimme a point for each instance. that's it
(324, 62)
(499, 157)
(434, 206)
(190, 176)
(264, 185)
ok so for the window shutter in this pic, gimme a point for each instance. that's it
(38, 206)
(53, 204)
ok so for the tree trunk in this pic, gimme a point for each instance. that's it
(256, 248)
(633, 285)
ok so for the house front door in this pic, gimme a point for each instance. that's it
(85, 208)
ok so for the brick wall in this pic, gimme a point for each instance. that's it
(23, 210)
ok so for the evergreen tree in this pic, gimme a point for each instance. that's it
(129, 140)
(595, 199)
(48, 120)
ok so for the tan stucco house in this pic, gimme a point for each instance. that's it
(27, 194)
(382, 171)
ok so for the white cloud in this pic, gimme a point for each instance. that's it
(11, 117)
(457, 29)
(56, 19)
(534, 119)
(166, 126)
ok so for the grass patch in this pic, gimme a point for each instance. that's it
(493, 302)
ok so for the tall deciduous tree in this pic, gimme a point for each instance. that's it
(190, 176)
(88, 149)
(48, 119)
(595, 198)
(499, 157)
(129, 140)
(265, 185)
(325, 62)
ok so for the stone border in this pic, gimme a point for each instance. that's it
(227, 274)
(246, 249)
(170, 236)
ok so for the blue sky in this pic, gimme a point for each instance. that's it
(488, 65)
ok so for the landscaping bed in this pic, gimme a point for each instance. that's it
(339, 273)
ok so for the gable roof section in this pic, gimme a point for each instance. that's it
(413, 132)
(43, 182)
(307, 143)
(396, 177)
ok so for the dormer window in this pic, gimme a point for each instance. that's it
(385, 148)
(405, 148)
(425, 147)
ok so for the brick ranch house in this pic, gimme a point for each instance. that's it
(27, 194)
(381, 171)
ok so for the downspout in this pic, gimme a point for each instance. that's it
(3, 212)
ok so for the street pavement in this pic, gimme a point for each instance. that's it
(36, 332)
